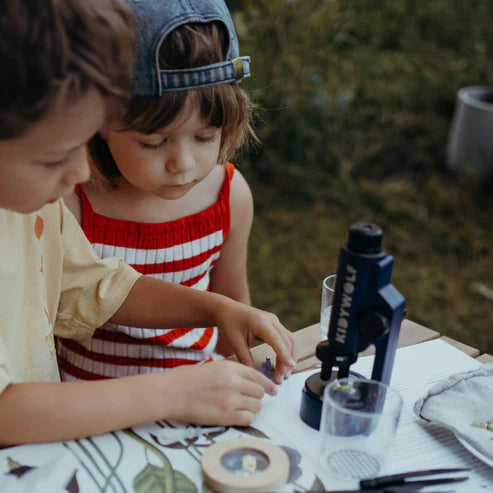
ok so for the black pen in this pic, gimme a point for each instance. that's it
(384, 490)
(382, 482)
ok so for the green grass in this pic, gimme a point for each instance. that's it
(356, 99)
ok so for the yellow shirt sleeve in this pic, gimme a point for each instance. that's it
(51, 281)
(92, 289)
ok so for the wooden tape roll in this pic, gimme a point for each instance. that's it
(243, 465)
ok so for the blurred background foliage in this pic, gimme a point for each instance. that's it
(355, 102)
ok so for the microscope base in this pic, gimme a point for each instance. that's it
(312, 398)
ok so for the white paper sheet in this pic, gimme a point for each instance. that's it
(417, 446)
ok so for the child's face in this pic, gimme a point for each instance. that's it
(171, 161)
(45, 163)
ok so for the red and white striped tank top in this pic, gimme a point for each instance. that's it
(182, 251)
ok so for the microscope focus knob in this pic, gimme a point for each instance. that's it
(374, 325)
(322, 350)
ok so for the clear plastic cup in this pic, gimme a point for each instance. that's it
(358, 424)
(328, 285)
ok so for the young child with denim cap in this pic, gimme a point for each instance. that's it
(163, 195)
(65, 68)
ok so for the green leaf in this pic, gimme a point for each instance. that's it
(154, 479)
(183, 484)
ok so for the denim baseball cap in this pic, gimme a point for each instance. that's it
(155, 20)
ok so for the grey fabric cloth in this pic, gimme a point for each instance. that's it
(458, 401)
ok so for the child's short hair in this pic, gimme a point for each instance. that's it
(56, 50)
(222, 105)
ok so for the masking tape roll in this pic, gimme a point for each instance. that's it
(243, 465)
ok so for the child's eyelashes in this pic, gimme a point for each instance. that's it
(145, 145)
(199, 138)
(62, 160)
(54, 164)
(206, 140)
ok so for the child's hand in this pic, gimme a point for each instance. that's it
(216, 393)
(241, 324)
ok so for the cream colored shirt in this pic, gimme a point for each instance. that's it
(51, 282)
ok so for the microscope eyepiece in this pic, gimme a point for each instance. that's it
(365, 238)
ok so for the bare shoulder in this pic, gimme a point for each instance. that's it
(240, 193)
(240, 200)
(72, 201)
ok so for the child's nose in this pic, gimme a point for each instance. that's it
(78, 172)
(179, 160)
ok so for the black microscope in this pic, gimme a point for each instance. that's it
(366, 309)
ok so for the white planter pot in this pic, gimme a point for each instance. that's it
(470, 143)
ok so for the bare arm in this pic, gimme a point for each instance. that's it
(155, 304)
(229, 276)
(223, 393)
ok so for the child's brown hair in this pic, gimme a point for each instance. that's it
(225, 106)
(54, 51)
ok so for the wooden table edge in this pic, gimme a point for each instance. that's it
(307, 338)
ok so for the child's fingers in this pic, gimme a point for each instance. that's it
(241, 418)
(283, 370)
(253, 389)
(282, 344)
(242, 351)
(280, 373)
(260, 381)
(287, 336)
(241, 415)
